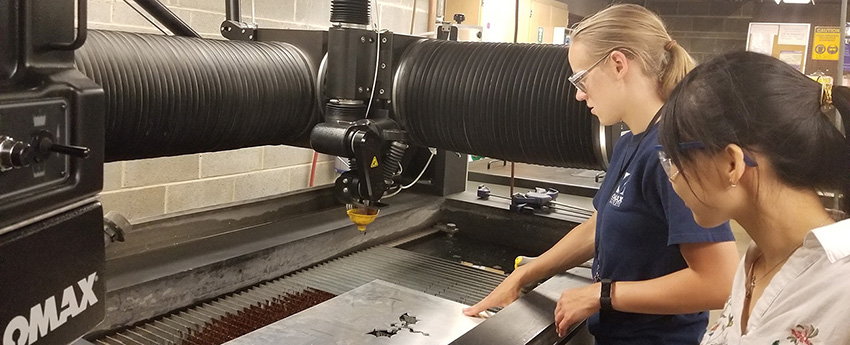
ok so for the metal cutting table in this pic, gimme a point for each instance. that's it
(384, 313)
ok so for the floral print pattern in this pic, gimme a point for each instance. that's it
(725, 321)
(801, 335)
(802, 303)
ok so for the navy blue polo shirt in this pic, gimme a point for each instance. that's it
(639, 226)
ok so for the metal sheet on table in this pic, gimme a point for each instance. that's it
(530, 320)
(375, 306)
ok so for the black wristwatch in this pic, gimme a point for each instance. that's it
(605, 296)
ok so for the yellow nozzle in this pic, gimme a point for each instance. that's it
(362, 217)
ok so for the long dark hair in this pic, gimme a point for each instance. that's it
(762, 105)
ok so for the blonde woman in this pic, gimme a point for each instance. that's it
(656, 271)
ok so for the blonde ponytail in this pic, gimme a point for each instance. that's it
(679, 63)
(641, 35)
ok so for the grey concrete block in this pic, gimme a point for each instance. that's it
(300, 175)
(299, 26)
(313, 12)
(708, 24)
(125, 15)
(207, 5)
(279, 10)
(100, 11)
(422, 21)
(423, 6)
(395, 19)
(738, 25)
(206, 23)
(119, 27)
(270, 24)
(146, 172)
(676, 23)
(285, 156)
(274, 24)
(184, 14)
(231, 162)
(747, 9)
(702, 46)
(112, 175)
(135, 203)
(325, 174)
(662, 7)
(726, 9)
(694, 8)
(405, 3)
(262, 184)
(197, 194)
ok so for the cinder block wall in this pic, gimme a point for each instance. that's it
(149, 188)
(705, 28)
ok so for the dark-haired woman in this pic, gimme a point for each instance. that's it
(746, 137)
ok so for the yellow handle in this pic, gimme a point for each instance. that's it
(522, 260)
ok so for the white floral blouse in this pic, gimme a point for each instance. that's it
(806, 303)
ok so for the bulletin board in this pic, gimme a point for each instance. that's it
(788, 42)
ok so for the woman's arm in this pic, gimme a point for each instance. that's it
(705, 284)
(573, 249)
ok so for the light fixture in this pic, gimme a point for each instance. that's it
(795, 1)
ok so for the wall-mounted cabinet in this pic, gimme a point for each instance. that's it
(537, 18)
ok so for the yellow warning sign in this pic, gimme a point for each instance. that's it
(826, 42)
(374, 162)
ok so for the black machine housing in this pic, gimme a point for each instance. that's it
(355, 67)
(52, 152)
(51, 169)
(52, 149)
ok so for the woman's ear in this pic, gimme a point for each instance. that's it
(731, 163)
(621, 63)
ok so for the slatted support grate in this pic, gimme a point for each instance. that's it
(231, 316)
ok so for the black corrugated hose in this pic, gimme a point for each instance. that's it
(175, 95)
(500, 100)
(350, 11)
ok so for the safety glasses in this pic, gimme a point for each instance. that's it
(668, 166)
(577, 79)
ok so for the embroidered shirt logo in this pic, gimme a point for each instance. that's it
(620, 191)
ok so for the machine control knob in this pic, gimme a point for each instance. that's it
(459, 18)
(14, 153)
(45, 145)
(115, 226)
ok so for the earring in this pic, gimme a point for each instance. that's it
(732, 184)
